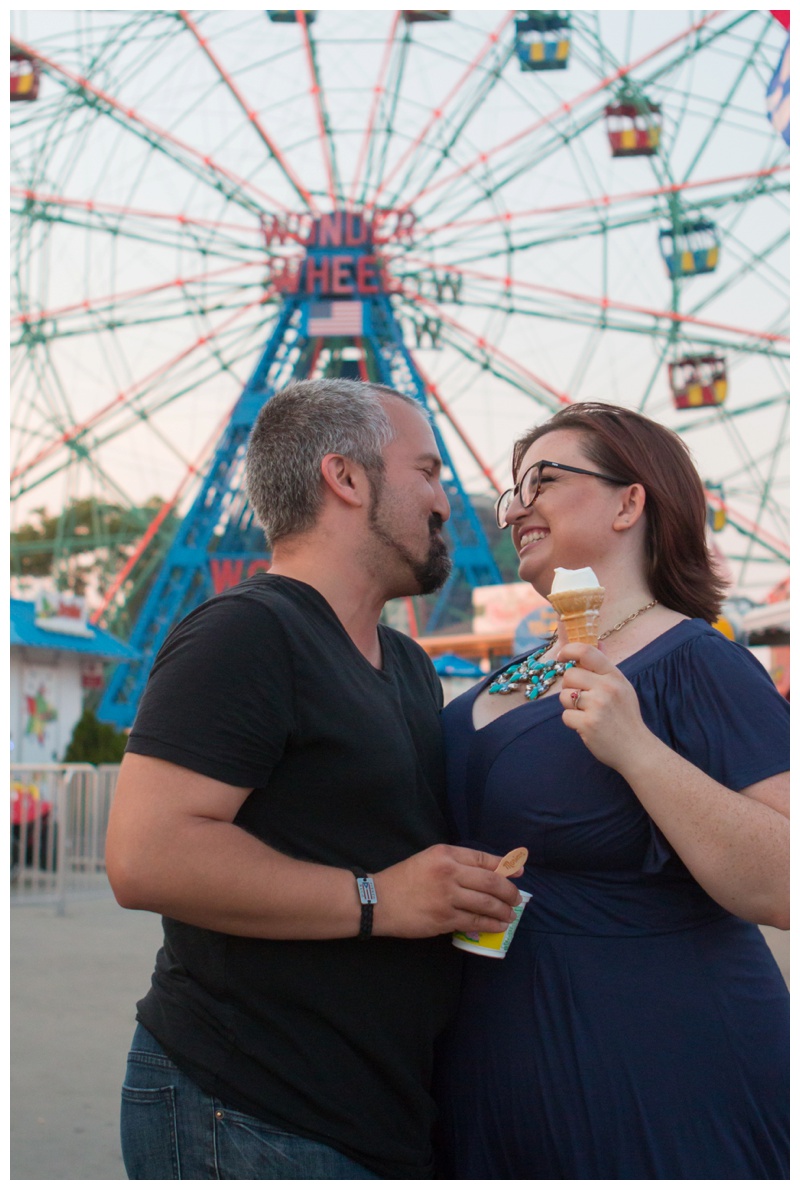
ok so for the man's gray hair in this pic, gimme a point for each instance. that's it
(294, 431)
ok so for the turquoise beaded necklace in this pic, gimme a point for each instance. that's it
(536, 676)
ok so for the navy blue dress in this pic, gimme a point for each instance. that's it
(635, 1029)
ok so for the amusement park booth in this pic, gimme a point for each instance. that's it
(56, 655)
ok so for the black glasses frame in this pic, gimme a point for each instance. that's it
(508, 496)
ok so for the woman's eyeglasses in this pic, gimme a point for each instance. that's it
(530, 486)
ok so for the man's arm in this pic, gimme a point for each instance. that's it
(173, 848)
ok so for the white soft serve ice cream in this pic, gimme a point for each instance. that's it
(574, 580)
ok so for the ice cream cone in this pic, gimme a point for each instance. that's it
(580, 611)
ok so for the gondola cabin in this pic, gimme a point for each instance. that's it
(690, 248)
(542, 40)
(288, 16)
(698, 380)
(25, 75)
(716, 516)
(633, 130)
(413, 16)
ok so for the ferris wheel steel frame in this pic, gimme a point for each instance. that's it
(460, 226)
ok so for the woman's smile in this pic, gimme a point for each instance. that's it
(531, 537)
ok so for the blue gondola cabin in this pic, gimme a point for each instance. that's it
(25, 75)
(542, 40)
(633, 130)
(288, 16)
(698, 380)
(690, 248)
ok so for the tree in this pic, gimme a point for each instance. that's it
(86, 544)
(94, 742)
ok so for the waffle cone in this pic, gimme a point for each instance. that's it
(580, 611)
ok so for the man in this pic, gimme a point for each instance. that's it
(286, 749)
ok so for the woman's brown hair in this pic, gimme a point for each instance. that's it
(680, 568)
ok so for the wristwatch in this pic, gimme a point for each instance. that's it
(368, 897)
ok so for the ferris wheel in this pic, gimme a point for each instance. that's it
(532, 208)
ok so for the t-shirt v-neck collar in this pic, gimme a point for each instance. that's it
(383, 671)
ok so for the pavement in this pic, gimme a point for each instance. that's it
(75, 981)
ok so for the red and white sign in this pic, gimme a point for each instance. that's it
(92, 675)
(62, 612)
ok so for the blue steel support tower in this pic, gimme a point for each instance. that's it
(337, 296)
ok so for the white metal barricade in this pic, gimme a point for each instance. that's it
(59, 817)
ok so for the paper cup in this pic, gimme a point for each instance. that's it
(492, 946)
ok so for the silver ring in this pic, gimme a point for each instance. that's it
(576, 698)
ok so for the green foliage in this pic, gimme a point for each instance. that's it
(94, 742)
(87, 543)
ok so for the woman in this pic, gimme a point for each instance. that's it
(637, 1027)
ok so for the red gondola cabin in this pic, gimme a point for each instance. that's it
(698, 380)
(25, 75)
(634, 130)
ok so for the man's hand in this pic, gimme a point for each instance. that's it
(440, 890)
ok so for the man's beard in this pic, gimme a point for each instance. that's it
(431, 572)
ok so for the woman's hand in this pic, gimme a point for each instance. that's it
(736, 845)
(602, 706)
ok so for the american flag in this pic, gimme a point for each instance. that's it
(326, 319)
(778, 96)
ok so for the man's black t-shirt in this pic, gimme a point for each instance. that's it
(332, 1040)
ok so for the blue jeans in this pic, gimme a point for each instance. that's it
(172, 1129)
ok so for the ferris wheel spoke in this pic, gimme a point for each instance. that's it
(193, 471)
(769, 505)
(379, 145)
(106, 314)
(505, 283)
(212, 172)
(486, 349)
(50, 401)
(502, 369)
(73, 432)
(598, 202)
(748, 263)
(232, 238)
(127, 297)
(83, 462)
(84, 446)
(459, 429)
(378, 91)
(249, 112)
(437, 115)
(702, 43)
(323, 123)
(537, 157)
(137, 412)
(722, 106)
(748, 465)
(564, 108)
(154, 318)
